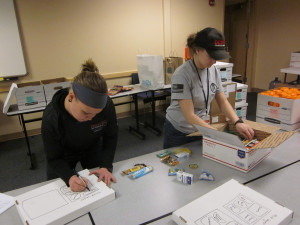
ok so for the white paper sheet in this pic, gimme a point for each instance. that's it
(6, 202)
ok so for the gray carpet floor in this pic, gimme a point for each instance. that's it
(15, 164)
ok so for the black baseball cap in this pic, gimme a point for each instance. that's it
(213, 41)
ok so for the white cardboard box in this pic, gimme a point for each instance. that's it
(295, 59)
(30, 95)
(225, 70)
(55, 203)
(241, 92)
(228, 149)
(233, 204)
(281, 112)
(241, 109)
(51, 89)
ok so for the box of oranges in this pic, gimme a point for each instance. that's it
(279, 106)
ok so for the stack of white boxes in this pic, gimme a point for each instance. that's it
(31, 96)
(241, 100)
(295, 59)
(225, 70)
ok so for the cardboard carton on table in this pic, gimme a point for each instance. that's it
(228, 148)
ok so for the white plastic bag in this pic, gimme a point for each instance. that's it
(151, 71)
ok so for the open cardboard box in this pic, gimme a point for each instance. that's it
(51, 86)
(228, 148)
(30, 95)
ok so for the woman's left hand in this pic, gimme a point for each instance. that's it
(104, 175)
(245, 130)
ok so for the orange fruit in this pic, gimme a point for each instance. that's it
(294, 90)
(284, 88)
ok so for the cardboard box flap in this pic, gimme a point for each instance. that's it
(260, 135)
(33, 83)
(218, 126)
(55, 80)
(258, 127)
(230, 139)
(274, 140)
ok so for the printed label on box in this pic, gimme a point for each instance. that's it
(241, 154)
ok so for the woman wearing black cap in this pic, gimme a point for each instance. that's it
(194, 85)
(80, 125)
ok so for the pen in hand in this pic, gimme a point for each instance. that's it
(80, 177)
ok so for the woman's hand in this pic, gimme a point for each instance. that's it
(104, 175)
(245, 130)
(76, 184)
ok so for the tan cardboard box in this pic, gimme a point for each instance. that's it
(230, 92)
(228, 148)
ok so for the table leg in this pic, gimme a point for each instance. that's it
(136, 110)
(284, 81)
(152, 126)
(31, 156)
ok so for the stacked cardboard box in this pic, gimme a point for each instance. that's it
(225, 70)
(241, 109)
(241, 93)
(281, 112)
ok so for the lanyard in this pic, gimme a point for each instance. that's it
(205, 97)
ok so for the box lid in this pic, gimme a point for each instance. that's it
(219, 64)
(233, 203)
(224, 137)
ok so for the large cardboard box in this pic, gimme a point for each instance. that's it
(30, 95)
(55, 203)
(281, 112)
(51, 86)
(228, 148)
(233, 204)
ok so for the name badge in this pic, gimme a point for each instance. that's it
(206, 118)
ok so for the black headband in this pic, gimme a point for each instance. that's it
(89, 97)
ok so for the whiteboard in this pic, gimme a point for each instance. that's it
(12, 63)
